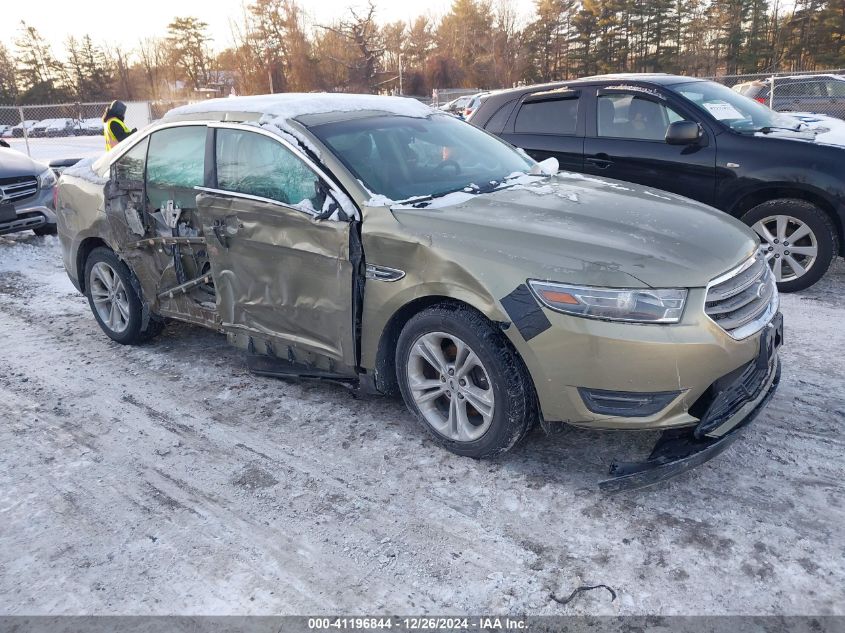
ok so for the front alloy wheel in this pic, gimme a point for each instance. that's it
(789, 245)
(450, 386)
(464, 382)
(797, 238)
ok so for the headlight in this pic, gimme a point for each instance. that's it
(636, 305)
(47, 179)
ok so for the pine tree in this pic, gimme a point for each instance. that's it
(8, 78)
(38, 71)
(188, 42)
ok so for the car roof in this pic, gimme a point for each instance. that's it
(807, 77)
(652, 78)
(293, 105)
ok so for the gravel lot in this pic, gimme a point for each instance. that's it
(167, 479)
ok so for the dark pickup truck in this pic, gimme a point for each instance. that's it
(698, 139)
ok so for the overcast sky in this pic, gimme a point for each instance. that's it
(126, 22)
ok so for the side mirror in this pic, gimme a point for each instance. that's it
(684, 133)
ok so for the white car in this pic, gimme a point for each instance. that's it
(17, 130)
(92, 126)
(40, 128)
(59, 127)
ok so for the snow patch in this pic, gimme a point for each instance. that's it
(291, 105)
(84, 170)
(290, 134)
(571, 175)
(828, 129)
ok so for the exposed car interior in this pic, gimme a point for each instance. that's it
(152, 195)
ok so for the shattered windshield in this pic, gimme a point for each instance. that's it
(403, 157)
(736, 111)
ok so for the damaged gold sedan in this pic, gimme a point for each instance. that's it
(376, 242)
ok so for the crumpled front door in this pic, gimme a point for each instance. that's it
(282, 278)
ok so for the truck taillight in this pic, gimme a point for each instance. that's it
(762, 100)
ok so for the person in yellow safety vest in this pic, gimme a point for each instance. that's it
(114, 129)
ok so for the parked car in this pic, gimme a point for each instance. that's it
(90, 127)
(26, 194)
(4, 128)
(698, 139)
(18, 130)
(456, 106)
(39, 130)
(473, 103)
(424, 257)
(823, 94)
(60, 127)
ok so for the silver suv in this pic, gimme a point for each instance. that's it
(26, 194)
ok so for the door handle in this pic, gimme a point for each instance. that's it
(601, 161)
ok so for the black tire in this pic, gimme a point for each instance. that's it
(821, 225)
(139, 327)
(47, 229)
(515, 411)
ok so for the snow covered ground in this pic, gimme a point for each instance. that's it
(47, 149)
(167, 479)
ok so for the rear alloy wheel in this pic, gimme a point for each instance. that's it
(464, 381)
(109, 297)
(797, 239)
(114, 300)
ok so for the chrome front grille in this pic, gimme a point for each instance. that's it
(743, 300)
(15, 189)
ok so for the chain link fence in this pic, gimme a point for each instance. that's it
(68, 130)
(819, 92)
(75, 130)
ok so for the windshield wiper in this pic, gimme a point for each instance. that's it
(768, 129)
(471, 188)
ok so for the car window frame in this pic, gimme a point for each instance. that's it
(149, 136)
(540, 96)
(654, 93)
(104, 168)
(112, 166)
(212, 186)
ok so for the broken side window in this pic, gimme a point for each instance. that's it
(257, 165)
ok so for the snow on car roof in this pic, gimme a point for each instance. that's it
(291, 105)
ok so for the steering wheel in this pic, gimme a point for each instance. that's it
(448, 163)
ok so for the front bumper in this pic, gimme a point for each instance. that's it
(32, 213)
(732, 407)
(576, 353)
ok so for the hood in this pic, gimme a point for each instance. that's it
(14, 164)
(579, 229)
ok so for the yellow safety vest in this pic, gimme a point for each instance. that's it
(111, 139)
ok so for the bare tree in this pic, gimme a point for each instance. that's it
(362, 32)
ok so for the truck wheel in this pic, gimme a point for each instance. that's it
(464, 382)
(797, 238)
(114, 301)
